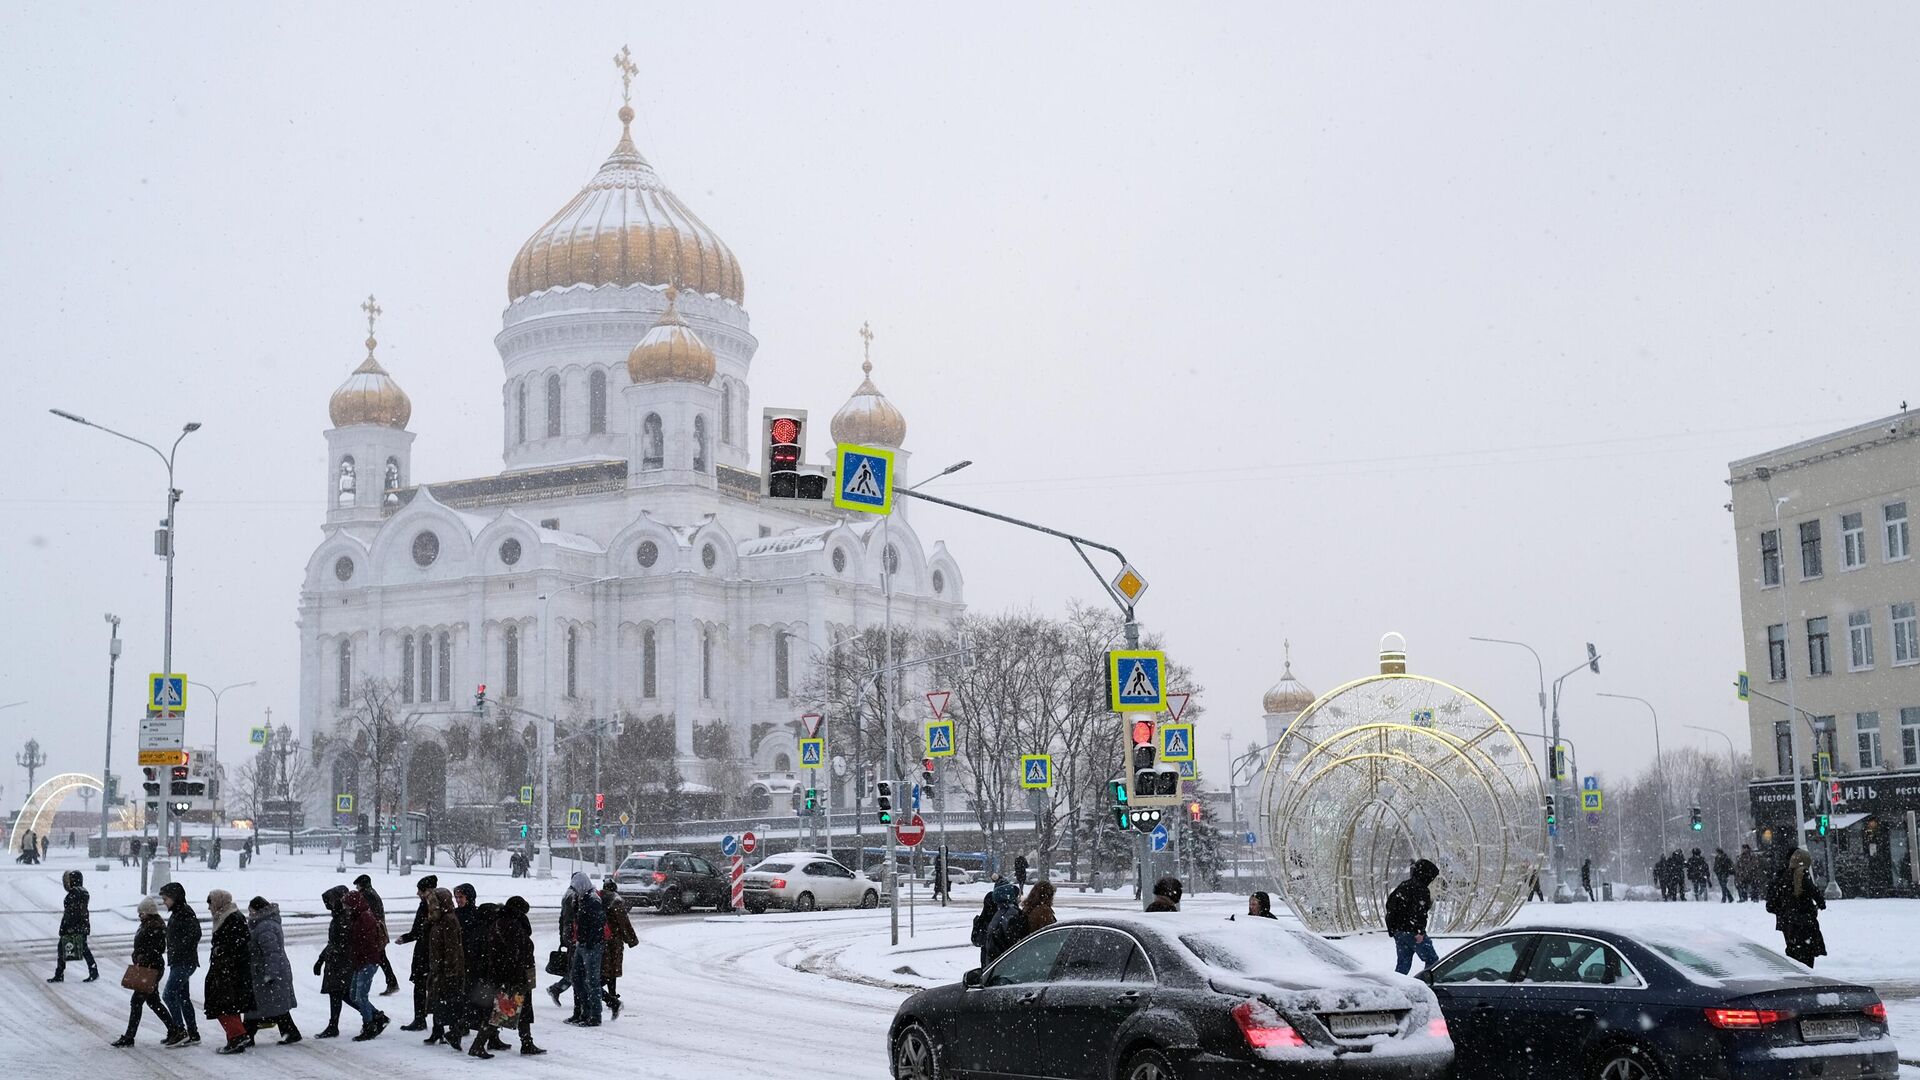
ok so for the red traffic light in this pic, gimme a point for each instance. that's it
(1142, 732)
(786, 429)
(1193, 810)
(599, 800)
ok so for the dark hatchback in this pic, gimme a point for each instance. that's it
(1655, 1004)
(671, 881)
(1160, 996)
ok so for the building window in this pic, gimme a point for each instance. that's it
(1819, 658)
(1810, 549)
(649, 655)
(1859, 640)
(509, 551)
(939, 582)
(406, 669)
(1770, 558)
(782, 659)
(510, 646)
(1782, 748)
(648, 554)
(1910, 736)
(706, 665)
(700, 444)
(426, 548)
(891, 560)
(1777, 651)
(345, 673)
(553, 406)
(445, 681)
(520, 413)
(708, 556)
(726, 413)
(1906, 634)
(426, 667)
(573, 662)
(343, 568)
(597, 402)
(1898, 545)
(839, 560)
(1853, 541)
(1866, 728)
(653, 443)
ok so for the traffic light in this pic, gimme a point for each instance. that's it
(1143, 733)
(926, 778)
(786, 446)
(1122, 804)
(152, 785)
(1696, 825)
(813, 800)
(523, 832)
(1557, 764)
(1193, 810)
(599, 801)
(1825, 823)
(1146, 818)
(883, 798)
(1552, 819)
(178, 786)
(480, 699)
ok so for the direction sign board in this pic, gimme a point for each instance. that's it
(1136, 680)
(573, 818)
(163, 757)
(257, 736)
(1589, 783)
(863, 479)
(163, 731)
(526, 794)
(343, 804)
(939, 738)
(1159, 837)
(811, 723)
(938, 699)
(1590, 801)
(1130, 584)
(728, 845)
(912, 832)
(748, 842)
(167, 692)
(1036, 771)
(1176, 742)
(813, 753)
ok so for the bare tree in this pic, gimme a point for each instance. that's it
(465, 832)
(376, 729)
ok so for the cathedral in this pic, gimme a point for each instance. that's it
(625, 561)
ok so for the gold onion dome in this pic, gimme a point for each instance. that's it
(370, 396)
(868, 418)
(625, 228)
(671, 351)
(1287, 695)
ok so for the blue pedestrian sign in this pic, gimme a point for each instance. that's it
(1176, 742)
(939, 738)
(1159, 837)
(167, 692)
(863, 479)
(1136, 680)
(1251, 838)
(813, 753)
(1036, 771)
(728, 845)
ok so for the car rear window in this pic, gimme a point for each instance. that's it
(772, 867)
(1709, 957)
(636, 862)
(1257, 946)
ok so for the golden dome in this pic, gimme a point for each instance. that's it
(370, 396)
(1287, 695)
(868, 418)
(625, 228)
(671, 351)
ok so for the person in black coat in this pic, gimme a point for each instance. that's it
(417, 970)
(336, 974)
(74, 923)
(1796, 903)
(510, 964)
(1407, 908)
(228, 993)
(379, 909)
(589, 949)
(567, 900)
(183, 958)
(149, 951)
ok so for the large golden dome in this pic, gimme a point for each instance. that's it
(625, 228)
(370, 396)
(671, 351)
(868, 418)
(1288, 695)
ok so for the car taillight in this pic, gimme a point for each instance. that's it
(779, 883)
(659, 877)
(1877, 1011)
(1263, 1027)
(1744, 1018)
(1437, 1028)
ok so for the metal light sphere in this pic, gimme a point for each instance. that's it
(1396, 767)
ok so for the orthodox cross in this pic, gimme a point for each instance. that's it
(372, 308)
(866, 347)
(624, 61)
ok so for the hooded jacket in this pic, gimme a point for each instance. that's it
(73, 911)
(1409, 902)
(589, 914)
(1796, 902)
(183, 929)
(1265, 903)
(445, 951)
(1166, 895)
(150, 940)
(620, 933)
(272, 973)
(229, 985)
(511, 955)
(476, 937)
(1038, 906)
(417, 969)
(1008, 925)
(333, 967)
(365, 938)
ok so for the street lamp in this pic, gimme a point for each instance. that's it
(162, 864)
(219, 774)
(1659, 763)
(106, 770)
(1733, 770)
(552, 718)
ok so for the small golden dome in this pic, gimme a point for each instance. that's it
(868, 418)
(370, 396)
(625, 228)
(1288, 695)
(671, 351)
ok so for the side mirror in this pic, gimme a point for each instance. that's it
(971, 980)
(1426, 977)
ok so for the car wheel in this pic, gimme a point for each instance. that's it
(803, 902)
(915, 1057)
(870, 900)
(670, 902)
(1624, 1063)
(1148, 1064)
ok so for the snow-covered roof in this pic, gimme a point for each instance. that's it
(786, 543)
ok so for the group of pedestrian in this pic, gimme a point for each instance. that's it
(1005, 917)
(33, 848)
(595, 933)
(1681, 877)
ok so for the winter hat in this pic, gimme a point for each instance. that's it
(1425, 871)
(147, 906)
(220, 905)
(465, 891)
(517, 905)
(363, 881)
(428, 884)
(258, 903)
(71, 879)
(581, 883)
(1168, 887)
(332, 897)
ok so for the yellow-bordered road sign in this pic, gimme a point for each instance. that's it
(167, 692)
(526, 794)
(863, 479)
(813, 753)
(1036, 771)
(939, 738)
(1590, 801)
(343, 804)
(1137, 680)
(573, 818)
(1176, 742)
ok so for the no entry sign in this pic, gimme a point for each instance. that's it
(912, 832)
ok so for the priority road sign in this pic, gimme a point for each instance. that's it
(1176, 742)
(167, 692)
(813, 753)
(573, 818)
(939, 738)
(526, 794)
(1159, 837)
(1036, 771)
(1136, 680)
(1590, 801)
(1130, 584)
(343, 804)
(863, 479)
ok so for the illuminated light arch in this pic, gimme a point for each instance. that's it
(37, 814)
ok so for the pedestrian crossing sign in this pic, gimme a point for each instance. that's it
(863, 479)
(1590, 801)
(1176, 742)
(573, 818)
(343, 804)
(526, 794)
(1136, 680)
(940, 738)
(812, 753)
(1036, 771)
(166, 692)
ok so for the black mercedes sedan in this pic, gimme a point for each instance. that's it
(1158, 996)
(1654, 1004)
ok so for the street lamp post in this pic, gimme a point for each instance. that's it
(1733, 771)
(162, 864)
(1659, 762)
(1562, 893)
(106, 769)
(218, 771)
(552, 718)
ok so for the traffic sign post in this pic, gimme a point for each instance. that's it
(863, 479)
(736, 889)
(1130, 584)
(257, 736)
(526, 794)
(810, 722)
(1136, 680)
(938, 699)
(1590, 801)
(1036, 771)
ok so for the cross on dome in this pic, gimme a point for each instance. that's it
(373, 310)
(866, 347)
(628, 69)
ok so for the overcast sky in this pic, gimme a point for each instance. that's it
(1339, 320)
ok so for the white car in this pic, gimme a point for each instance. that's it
(804, 881)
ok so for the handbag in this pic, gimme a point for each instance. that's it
(140, 980)
(71, 946)
(505, 1008)
(559, 962)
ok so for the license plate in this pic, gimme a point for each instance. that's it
(1348, 1025)
(1829, 1030)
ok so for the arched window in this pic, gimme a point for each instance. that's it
(597, 402)
(573, 661)
(706, 665)
(426, 667)
(520, 413)
(406, 669)
(781, 663)
(726, 412)
(653, 443)
(345, 673)
(446, 666)
(393, 479)
(344, 485)
(510, 647)
(553, 406)
(782, 763)
(649, 652)
(700, 444)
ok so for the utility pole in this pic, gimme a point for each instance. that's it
(106, 770)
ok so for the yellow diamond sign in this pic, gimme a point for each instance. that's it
(1130, 584)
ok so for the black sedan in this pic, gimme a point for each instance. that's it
(1159, 996)
(1655, 1004)
(672, 881)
